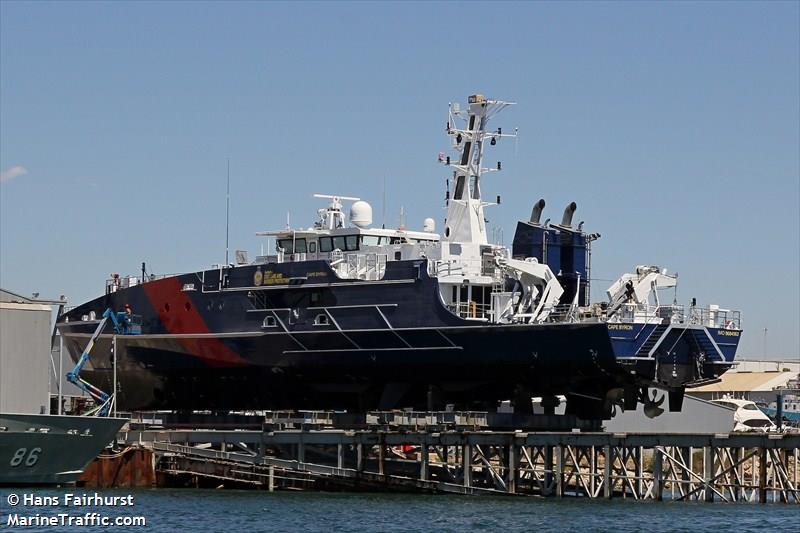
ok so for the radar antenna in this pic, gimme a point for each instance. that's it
(333, 217)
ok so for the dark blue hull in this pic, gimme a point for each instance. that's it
(293, 335)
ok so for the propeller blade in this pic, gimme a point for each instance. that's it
(656, 400)
(652, 411)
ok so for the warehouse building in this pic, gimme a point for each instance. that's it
(25, 364)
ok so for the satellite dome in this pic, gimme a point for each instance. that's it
(361, 214)
(429, 225)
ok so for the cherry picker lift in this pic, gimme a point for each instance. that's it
(123, 325)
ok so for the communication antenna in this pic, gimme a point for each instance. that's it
(227, 211)
(383, 208)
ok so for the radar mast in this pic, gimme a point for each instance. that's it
(465, 221)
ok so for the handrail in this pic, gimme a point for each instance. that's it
(471, 310)
(676, 314)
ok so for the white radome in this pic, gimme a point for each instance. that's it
(429, 225)
(361, 214)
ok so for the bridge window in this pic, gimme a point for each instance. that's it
(325, 244)
(312, 247)
(291, 246)
(351, 242)
(371, 240)
(338, 243)
(287, 245)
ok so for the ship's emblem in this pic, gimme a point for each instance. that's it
(258, 277)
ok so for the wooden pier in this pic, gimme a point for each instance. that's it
(736, 467)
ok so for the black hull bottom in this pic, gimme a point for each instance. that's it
(473, 367)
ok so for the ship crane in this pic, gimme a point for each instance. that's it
(636, 288)
(537, 280)
(104, 400)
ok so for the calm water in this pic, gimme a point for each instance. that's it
(210, 510)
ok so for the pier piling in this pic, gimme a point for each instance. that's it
(736, 467)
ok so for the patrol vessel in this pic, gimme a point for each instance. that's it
(355, 317)
(51, 449)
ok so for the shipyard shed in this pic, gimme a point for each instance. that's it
(759, 381)
(25, 329)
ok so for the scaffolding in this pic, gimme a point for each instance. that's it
(736, 467)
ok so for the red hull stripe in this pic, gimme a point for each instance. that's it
(178, 315)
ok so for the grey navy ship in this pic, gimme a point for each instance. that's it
(50, 449)
(346, 315)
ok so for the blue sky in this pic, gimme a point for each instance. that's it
(674, 126)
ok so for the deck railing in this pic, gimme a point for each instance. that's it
(712, 317)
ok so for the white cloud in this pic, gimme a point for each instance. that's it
(13, 172)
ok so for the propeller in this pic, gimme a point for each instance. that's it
(614, 398)
(652, 406)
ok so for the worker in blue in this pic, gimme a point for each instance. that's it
(125, 319)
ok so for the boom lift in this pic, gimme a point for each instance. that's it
(122, 325)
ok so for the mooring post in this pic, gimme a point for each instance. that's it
(607, 488)
(271, 478)
(737, 473)
(466, 459)
(639, 472)
(381, 454)
(708, 472)
(658, 475)
(559, 471)
(423, 461)
(513, 465)
(359, 457)
(762, 475)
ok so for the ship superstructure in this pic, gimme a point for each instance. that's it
(348, 316)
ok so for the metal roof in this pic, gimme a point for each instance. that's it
(748, 382)
(11, 296)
